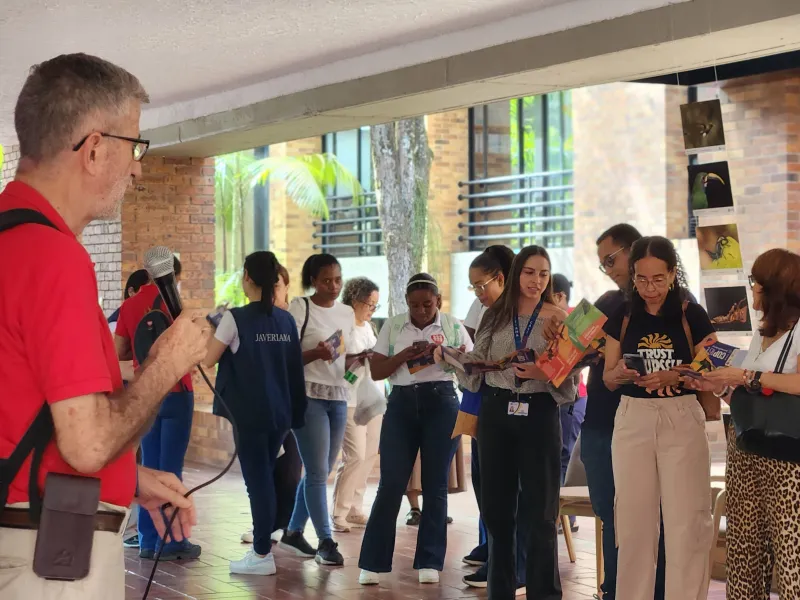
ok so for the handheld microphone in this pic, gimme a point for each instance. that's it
(159, 262)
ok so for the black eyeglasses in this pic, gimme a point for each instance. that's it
(752, 281)
(608, 262)
(139, 146)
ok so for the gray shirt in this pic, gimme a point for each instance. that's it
(494, 346)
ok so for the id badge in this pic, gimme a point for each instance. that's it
(518, 409)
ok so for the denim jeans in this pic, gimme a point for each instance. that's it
(258, 452)
(419, 419)
(596, 457)
(319, 442)
(164, 448)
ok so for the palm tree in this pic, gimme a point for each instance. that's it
(309, 179)
(232, 183)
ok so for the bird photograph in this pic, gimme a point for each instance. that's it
(728, 308)
(702, 125)
(710, 186)
(719, 248)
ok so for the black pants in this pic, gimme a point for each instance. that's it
(257, 456)
(520, 457)
(288, 472)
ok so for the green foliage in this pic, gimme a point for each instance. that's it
(232, 184)
(228, 288)
(308, 179)
(1, 156)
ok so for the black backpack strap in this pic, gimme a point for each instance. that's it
(22, 216)
(305, 321)
(40, 432)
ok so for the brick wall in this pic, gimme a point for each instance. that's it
(448, 137)
(621, 168)
(10, 162)
(103, 241)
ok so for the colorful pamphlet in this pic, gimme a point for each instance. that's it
(581, 332)
(724, 355)
(459, 360)
(336, 343)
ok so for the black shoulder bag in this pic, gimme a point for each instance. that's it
(768, 426)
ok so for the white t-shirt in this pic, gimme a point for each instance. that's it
(767, 361)
(322, 324)
(364, 338)
(475, 315)
(227, 332)
(406, 337)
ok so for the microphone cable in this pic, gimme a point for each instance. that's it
(199, 487)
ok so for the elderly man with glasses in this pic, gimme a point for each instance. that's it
(62, 397)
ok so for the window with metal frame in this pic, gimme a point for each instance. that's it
(351, 229)
(520, 187)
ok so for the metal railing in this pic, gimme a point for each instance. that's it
(519, 210)
(351, 229)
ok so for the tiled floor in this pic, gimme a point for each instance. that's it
(224, 514)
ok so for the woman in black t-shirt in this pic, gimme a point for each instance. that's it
(659, 449)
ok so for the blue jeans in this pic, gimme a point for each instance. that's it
(164, 448)
(419, 418)
(258, 452)
(319, 442)
(596, 457)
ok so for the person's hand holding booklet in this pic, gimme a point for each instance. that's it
(461, 361)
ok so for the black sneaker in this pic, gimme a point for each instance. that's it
(478, 579)
(478, 556)
(295, 542)
(131, 542)
(328, 554)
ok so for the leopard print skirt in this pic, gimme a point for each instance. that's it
(763, 525)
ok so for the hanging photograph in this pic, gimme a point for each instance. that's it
(710, 188)
(728, 308)
(719, 249)
(702, 126)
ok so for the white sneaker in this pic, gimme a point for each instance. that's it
(339, 525)
(368, 578)
(247, 537)
(276, 536)
(253, 564)
(428, 576)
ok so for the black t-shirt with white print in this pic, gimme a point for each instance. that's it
(661, 342)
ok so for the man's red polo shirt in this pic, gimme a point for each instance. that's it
(55, 343)
(132, 312)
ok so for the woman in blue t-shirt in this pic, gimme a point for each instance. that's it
(660, 450)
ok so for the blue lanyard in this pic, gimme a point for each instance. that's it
(521, 342)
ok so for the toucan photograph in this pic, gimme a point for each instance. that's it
(710, 186)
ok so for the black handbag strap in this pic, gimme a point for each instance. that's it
(784, 356)
(39, 434)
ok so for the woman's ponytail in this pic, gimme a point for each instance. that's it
(262, 268)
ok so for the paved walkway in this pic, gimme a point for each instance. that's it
(224, 514)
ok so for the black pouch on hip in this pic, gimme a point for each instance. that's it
(67, 526)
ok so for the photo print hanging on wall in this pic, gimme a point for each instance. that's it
(702, 126)
(710, 189)
(728, 308)
(719, 249)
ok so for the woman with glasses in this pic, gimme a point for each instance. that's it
(660, 451)
(360, 446)
(488, 275)
(763, 511)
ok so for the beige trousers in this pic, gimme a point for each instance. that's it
(359, 451)
(106, 579)
(661, 459)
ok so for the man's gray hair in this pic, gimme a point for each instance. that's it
(61, 94)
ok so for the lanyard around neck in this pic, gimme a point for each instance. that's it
(522, 341)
